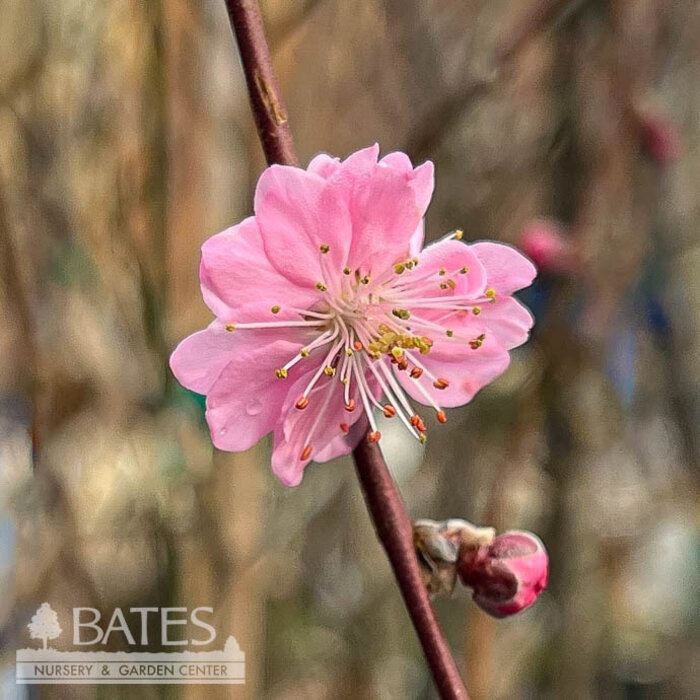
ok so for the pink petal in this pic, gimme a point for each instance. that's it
(422, 178)
(467, 370)
(509, 320)
(324, 165)
(385, 216)
(245, 401)
(327, 409)
(200, 358)
(361, 164)
(451, 255)
(415, 245)
(298, 212)
(239, 283)
(507, 270)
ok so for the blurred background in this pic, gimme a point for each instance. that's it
(571, 127)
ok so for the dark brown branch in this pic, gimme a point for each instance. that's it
(395, 532)
(387, 510)
(266, 100)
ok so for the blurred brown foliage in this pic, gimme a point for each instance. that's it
(125, 141)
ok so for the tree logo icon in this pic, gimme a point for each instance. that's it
(44, 624)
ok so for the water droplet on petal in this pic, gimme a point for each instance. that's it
(253, 407)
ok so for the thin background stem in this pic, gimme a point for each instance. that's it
(384, 502)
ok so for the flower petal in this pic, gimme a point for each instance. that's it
(299, 212)
(318, 425)
(200, 358)
(239, 283)
(467, 370)
(507, 270)
(509, 320)
(324, 165)
(245, 401)
(422, 178)
(385, 215)
(450, 255)
(415, 245)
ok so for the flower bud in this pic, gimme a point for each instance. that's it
(659, 139)
(507, 575)
(543, 242)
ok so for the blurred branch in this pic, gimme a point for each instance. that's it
(19, 296)
(533, 20)
(442, 117)
(384, 502)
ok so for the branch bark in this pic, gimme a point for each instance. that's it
(385, 505)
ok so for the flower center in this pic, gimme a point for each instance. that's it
(364, 330)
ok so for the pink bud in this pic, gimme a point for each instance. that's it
(659, 139)
(542, 241)
(506, 576)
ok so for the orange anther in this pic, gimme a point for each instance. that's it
(306, 453)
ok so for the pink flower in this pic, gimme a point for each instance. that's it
(659, 139)
(507, 575)
(543, 242)
(327, 309)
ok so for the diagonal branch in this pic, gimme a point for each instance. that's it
(387, 510)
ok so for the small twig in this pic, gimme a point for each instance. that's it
(387, 510)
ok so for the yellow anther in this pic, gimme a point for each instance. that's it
(464, 270)
(451, 284)
(476, 310)
(415, 261)
(376, 355)
(324, 248)
(422, 346)
(443, 285)
(344, 381)
(397, 352)
(458, 234)
(449, 332)
(304, 353)
(410, 264)
(423, 437)
(491, 294)
(230, 328)
(442, 272)
(399, 268)
(321, 287)
(349, 352)
(477, 342)
(347, 271)
(365, 279)
(329, 371)
(403, 314)
(281, 373)
(275, 309)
